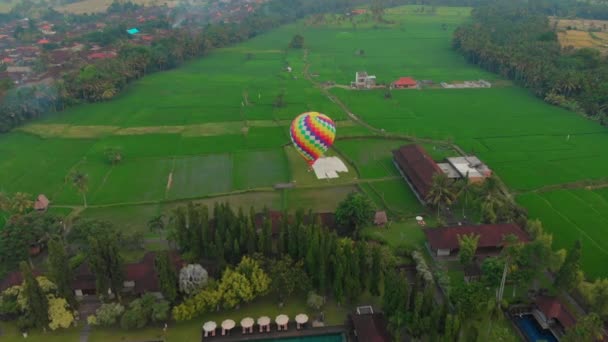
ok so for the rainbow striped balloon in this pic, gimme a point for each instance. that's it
(312, 134)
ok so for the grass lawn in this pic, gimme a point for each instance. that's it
(398, 234)
(191, 330)
(10, 333)
(397, 197)
(321, 199)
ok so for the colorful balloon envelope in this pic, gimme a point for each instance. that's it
(312, 134)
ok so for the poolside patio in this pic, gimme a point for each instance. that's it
(292, 331)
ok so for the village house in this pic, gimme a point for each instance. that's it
(405, 83)
(443, 242)
(139, 277)
(417, 169)
(42, 203)
(363, 80)
(466, 167)
(102, 55)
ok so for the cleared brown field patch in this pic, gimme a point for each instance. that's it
(579, 24)
(68, 131)
(45, 131)
(81, 132)
(211, 129)
(151, 130)
(97, 6)
(264, 123)
(582, 39)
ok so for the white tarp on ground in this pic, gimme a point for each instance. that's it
(329, 167)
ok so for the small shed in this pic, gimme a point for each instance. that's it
(380, 219)
(42, 203)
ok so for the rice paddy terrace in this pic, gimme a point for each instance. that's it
(212, 130)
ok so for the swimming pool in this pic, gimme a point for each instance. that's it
(530, 328)
(319, 338)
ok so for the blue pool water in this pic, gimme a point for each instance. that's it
(530, 328)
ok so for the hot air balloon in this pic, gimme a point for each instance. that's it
(312, 134)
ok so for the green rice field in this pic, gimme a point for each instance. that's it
(211, 131)
(575, 214)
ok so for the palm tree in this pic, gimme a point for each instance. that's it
(441, 193)
(492, 313)
(81, 182)
(466, 192)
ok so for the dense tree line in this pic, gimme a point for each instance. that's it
(22, 232)
(515, 39)
(103, 80)
(332, 265)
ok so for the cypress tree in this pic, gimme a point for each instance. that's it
(251, 238)
(311, 260)
(351, 279)
(375, 272)
(60, 272)
(181, 229)
(267, 241)
(338, 276)
(167, 276)
(569, 275)
(292, 241)
(195, 231)
(303, 236)
(242, 230)
(37, 302)
(361, 256)
(206, 240)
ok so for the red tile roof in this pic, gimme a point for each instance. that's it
(144, 274)
(42, 203)
(405, 82)
(102, 55)
(83, 278)
(553, 308)
(371, 327)
(44, 41)
(14, 278)
(418, 166)
(490, 235)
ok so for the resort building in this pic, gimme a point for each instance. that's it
(469, 166)
(417, 168)
(443, 242)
